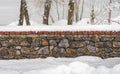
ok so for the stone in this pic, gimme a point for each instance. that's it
(0, 45)
(53, 43)
(92, 48)
(107, 39)
(5, 43)
(44, 51)
(25, 50)
(18, 52)
(77, 44)
(95, 39)
(29, 39)
(34, 56)
(44, 42)
(11, 54)
(81, 50)
(14, 42)
(3, 51)
(18, 47)
(64, 43)
(36, 43)
(71, 52)
(108, 50)
(90, 43)
(100, 44)
(58, 52)
(117, 38)
(108, 44)
(116, 44)
(24, 43)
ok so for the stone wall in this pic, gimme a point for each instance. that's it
(42, 46)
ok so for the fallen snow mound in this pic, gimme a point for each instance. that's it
(79, 65)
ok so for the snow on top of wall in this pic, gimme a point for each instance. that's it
(60, 26)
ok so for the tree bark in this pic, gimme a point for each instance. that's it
(110, 12)
(23, 14)
(70, 12)
(47, 8)
(92, 15)
(81, 14)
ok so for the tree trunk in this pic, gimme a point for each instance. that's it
(110, 12)
(47, 8)
(92, 15)
(70, 12)
(81, 15)
(23, 14)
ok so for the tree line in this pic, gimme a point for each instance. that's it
(73, 11)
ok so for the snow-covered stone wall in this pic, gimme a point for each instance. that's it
(42, 45)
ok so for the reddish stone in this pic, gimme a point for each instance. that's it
(108, 33)
(6, 33)
(102, 33)
(113, 33)
(80, 33)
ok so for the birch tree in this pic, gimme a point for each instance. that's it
(23, 14)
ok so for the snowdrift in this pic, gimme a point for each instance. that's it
(80, 65)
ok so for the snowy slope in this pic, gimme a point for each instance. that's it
(80, 65)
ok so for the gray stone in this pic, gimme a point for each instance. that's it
(52, 42)
(5, 43)
(36, 43)
(100, 44)
(77, 44)
(108, 50)
(108, 44)
(107, 39)
(58, 52)
(90, 43)
(18, 52)
(117, 38)
(25, 50)
(92, 48)
(44, 51)
(64, 43)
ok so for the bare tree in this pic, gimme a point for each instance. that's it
(110, 12)
(82, 9)
(23, 13)
(57, 9)
(92, 15)
(70, 12)
(47, 7)
(77, 4)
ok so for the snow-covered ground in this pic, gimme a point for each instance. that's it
(79, 65)
(61, 26)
